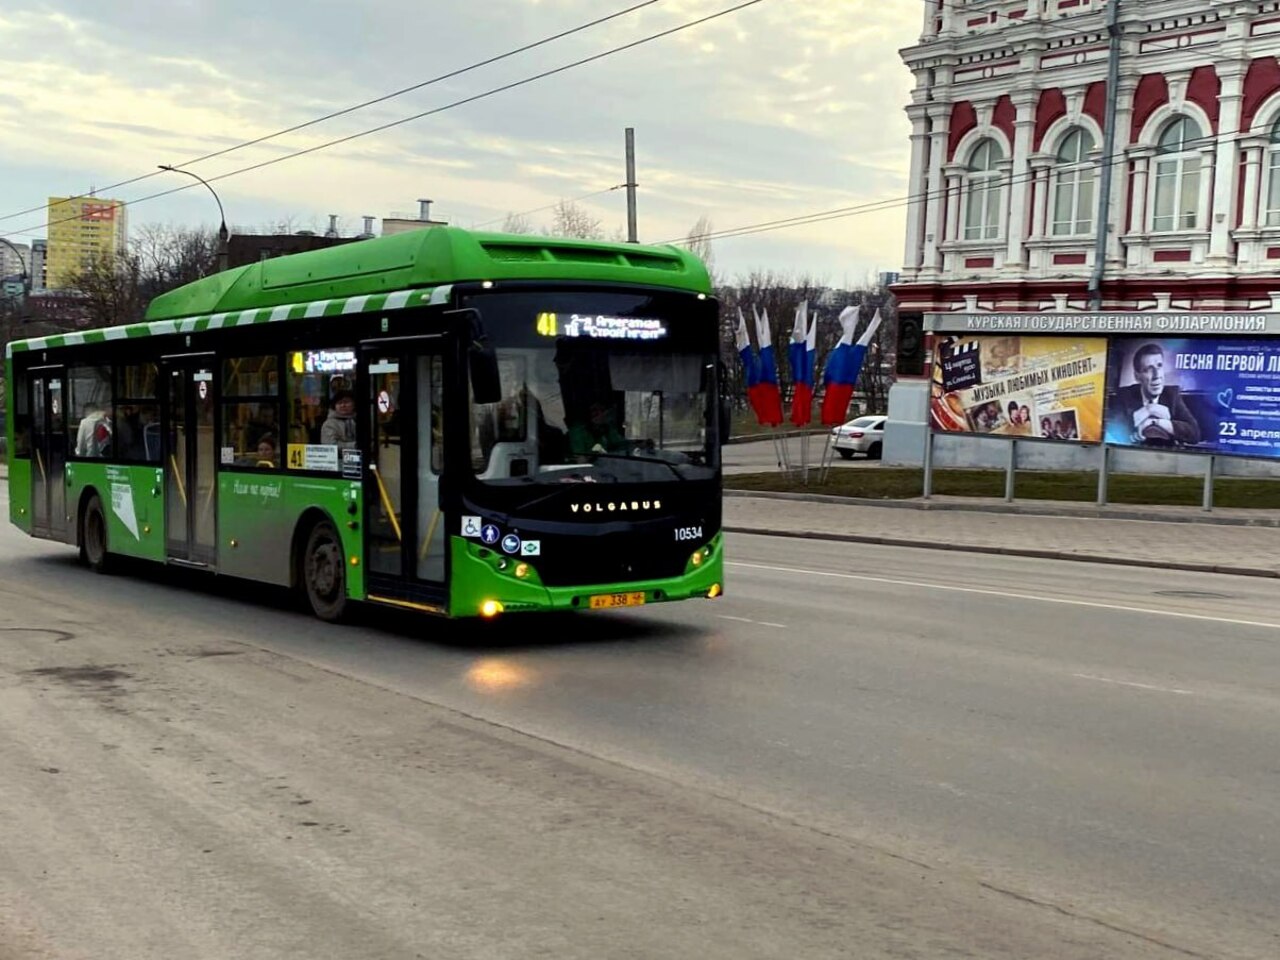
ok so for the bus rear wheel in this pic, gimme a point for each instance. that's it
(324, 575)
(93, 537)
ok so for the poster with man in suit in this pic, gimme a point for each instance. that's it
(1207, 394)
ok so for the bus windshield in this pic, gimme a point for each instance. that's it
(597, 388)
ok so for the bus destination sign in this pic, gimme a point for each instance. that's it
(600, 326)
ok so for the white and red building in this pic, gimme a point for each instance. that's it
(1007, 141)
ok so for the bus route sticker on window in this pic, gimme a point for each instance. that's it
(352, 463)
(313, 456)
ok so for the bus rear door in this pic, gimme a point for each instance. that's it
(49, 452)
(189, 450)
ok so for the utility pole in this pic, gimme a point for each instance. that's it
(1108, 161)
(632, 235)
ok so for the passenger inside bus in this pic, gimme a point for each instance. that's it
(268, 455)
(339, 427)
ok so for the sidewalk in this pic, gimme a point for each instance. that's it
(1243, 542)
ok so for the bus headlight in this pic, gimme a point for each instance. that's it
(490, 608)
(522, 570)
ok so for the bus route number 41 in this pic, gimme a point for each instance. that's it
(688, 533)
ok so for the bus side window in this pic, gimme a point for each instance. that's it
(91, 412)
(137, 419)
(251, 411)
(320, 398)
(21, 418)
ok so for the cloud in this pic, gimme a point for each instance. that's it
(764, 114)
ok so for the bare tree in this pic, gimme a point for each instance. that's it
(698, 242)
(517, 223)
(571, 220)
(117, 289)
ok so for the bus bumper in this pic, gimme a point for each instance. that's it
(485, 584)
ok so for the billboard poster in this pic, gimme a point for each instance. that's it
(1045, 387)
(1204, 394)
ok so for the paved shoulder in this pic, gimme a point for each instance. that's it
(1235, 549)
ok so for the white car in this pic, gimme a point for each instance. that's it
(864, 435)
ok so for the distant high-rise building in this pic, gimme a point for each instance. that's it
(82, 229)
(39, 264)
(14, 262)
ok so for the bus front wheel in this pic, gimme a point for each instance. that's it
(93, 536)
(324, 573)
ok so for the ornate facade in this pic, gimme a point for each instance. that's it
(1007, 150)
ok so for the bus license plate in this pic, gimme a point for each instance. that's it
(604, 600)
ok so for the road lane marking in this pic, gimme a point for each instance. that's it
(1005, 594)
(1140, 686)
(758, 623)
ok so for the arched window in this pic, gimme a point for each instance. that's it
(1177, 205)
(1073, 188)
(982, 193)
(1273, 179)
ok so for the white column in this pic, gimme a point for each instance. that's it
(1119, 174)
(954, 172)
(917, 185)
(1041, 165)
(1205, 208)
(1020, 183)
(1227, 166)
(1006, 189)
(1138, 214)
(1253, 194)
(940, 117)
(949, 18)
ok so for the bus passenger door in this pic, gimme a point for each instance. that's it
(189, 450)
(48, 453)
(405, 533)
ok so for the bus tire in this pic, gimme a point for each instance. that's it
(93, 537)
(324, 574)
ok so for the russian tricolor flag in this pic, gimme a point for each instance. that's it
(844, 366)
(803, 349)
(762, 373)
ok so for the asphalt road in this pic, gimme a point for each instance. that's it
(859, 752)
(759, 456)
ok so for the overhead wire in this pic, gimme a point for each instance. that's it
(427, 113)
(526, 213)
(359, 106)
(892, 203)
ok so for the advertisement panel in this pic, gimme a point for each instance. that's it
(1205, 394)
(1045, 387)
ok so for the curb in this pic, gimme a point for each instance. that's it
(1079, 512)
(1007, 551)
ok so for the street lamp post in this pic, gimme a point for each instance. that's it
(222, 228)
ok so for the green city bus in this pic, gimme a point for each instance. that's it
(445, 421)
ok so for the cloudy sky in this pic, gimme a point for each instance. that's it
(782, 109)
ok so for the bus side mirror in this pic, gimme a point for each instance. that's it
(482, 359)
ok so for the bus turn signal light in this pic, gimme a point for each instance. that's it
(714, 592)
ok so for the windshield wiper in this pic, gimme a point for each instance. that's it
(625, 456)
